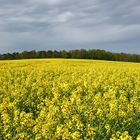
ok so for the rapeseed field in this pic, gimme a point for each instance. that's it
(59, 99)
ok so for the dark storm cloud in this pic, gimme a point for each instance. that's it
(62, 24)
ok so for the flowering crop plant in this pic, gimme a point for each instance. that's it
(59, 99)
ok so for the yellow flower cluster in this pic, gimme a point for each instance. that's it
(69, 99)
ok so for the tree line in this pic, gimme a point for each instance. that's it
(73, 54)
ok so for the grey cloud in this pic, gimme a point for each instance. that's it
(59, 24)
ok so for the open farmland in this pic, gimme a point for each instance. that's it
(69, 99)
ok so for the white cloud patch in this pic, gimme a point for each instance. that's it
(63, 17)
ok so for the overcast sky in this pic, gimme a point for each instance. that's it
(112, 25)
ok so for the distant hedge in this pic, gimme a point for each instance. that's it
(74, 54)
